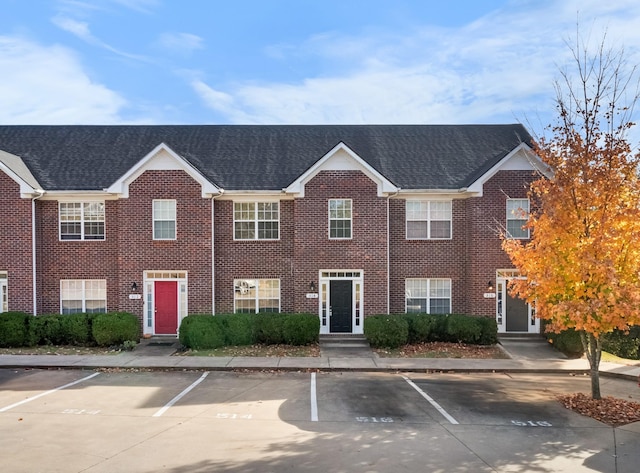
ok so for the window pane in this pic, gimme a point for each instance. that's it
(416, 210)
(244, 231)
(417, 230)
(340, 229)
(164, 230)
(439, 306)
(267, 230)
(441, 229)
(515, 230)
(416, 306)
(70, 230)
(71, 307)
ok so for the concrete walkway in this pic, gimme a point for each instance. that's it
(524, 356)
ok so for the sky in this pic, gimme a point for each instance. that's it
(296, 61)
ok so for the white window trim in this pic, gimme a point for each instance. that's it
(255, 220)
(527, 211)
(174, 220)
(350, 219)
(428, 298)
(428, 219)
(256, 282)
(4, 291)
(83, 221)
(84, 292)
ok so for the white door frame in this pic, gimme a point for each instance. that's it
(4, 292)
(324, 299)
(150, 277)
(503, 276)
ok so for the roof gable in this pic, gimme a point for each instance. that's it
(161, 158)
(15, 168)
(341, 158)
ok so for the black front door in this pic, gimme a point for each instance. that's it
(517, 313)
(340, 297)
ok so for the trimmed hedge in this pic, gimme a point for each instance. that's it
(115, 328)
(14, 329)
(623, 344)
(19, 329)
(206, 331)
(202, 332)
(388, 330)
(567, 341)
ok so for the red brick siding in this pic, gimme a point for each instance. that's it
(366, 251)
(428, 258)
(190, 251)
(15, 244)
(252, 259)
(487, 217)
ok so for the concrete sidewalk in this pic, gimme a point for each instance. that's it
(524, 356)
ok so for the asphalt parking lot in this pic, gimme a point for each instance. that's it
(191, 421)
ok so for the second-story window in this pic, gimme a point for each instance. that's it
(81, 220)
(256, 220)
(340, 218)
(517, 216)
(164, 219)
(428, 219)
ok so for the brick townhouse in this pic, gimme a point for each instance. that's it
(342, 221)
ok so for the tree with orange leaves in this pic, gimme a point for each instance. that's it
(582, 263)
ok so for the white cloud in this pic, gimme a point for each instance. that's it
(47, 85)
(499, 68)
(180, 43)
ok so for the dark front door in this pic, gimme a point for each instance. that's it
(341, 298)
(166, 298)
(517, 313)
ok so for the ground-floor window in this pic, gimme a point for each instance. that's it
(256, 295)
(428, 296)
(83, 295)
(4, 302)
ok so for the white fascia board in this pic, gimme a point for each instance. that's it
(521, 158)
(121, 186)
(385, 187)
(254, 195)
(78, 196)
(14, 167)
(433, 194)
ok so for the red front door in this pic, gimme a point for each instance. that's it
(166, 299)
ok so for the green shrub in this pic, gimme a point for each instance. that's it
(624, 345)
(77, 329)
(202, 332)
(115, 328)
(389, 331)
(269, 328)
(46, 329)
(301, 329)
(439, 331)
(238, 329)
(421, 327)
(488, 331)
(14, 329)
(567, 341)
(463, 328)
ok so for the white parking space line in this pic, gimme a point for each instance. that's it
(314, 399)
(181, 395)
(51, 391)
(431, 401)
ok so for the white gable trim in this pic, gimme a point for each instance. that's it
(341, 158)
(162, 158)
(521, 158)
(14, 167)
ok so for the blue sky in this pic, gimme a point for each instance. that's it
(294, 61)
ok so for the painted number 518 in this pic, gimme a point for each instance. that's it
(531, 423)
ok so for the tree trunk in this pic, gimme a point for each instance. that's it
(593, 349)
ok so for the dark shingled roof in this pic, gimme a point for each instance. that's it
(262, 157)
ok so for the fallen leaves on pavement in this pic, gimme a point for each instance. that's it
(442, 350)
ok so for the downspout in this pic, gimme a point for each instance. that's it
(33, 251)
(389, 252)
(213, 252)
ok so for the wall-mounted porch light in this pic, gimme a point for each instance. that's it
(312, 286)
